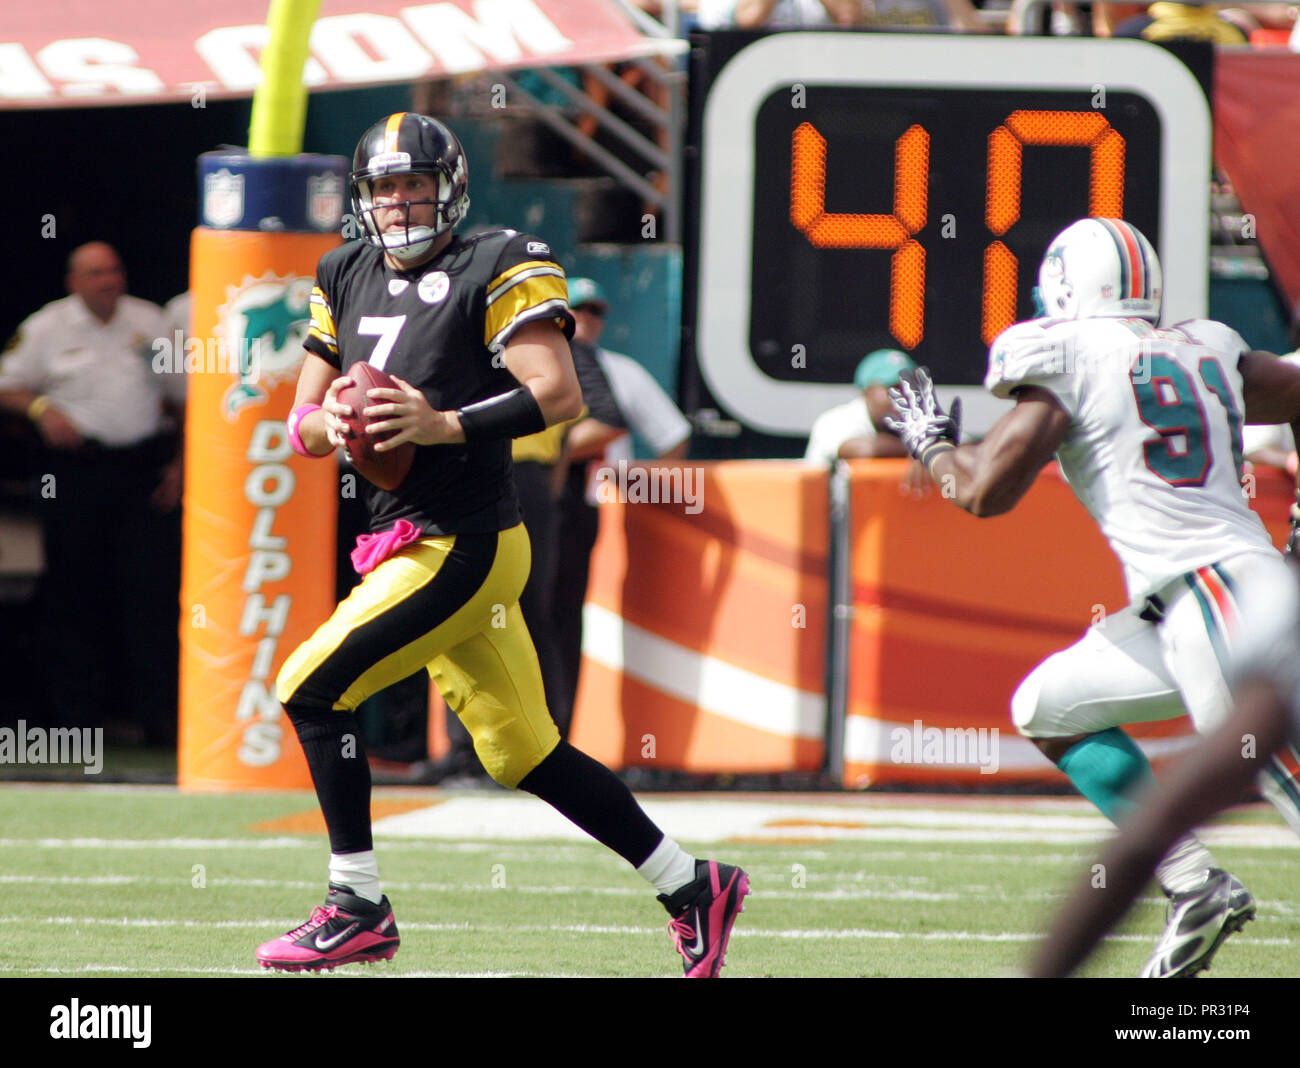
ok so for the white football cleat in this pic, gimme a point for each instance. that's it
(1199, 921)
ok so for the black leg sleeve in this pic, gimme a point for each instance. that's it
(596, 799)
(331, 742)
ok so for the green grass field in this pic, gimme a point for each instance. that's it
(119, 881)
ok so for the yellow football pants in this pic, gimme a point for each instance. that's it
(449, 603)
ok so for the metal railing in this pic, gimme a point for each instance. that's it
(649, 89)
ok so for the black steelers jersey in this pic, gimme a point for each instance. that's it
(439, 326)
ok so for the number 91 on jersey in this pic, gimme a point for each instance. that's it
(858, 191)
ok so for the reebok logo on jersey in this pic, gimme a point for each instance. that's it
(397, 286)
(538, 248)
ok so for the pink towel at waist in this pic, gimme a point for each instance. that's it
(373, 549)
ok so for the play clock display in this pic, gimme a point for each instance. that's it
(863, 191)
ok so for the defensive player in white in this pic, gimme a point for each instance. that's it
(1146, 424)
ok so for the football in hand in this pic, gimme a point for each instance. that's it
(385, 469)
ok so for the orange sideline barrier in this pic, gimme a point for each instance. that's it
(704, 640)
(951, 612)
(692, 659)
(260, 520)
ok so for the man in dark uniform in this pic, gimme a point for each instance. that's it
(111, 485)
(538, 468)
(475, 333)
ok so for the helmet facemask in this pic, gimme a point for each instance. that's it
(405, 241)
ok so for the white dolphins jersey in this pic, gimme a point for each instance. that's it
(1153, 450)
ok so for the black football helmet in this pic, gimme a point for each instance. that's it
(409, 143)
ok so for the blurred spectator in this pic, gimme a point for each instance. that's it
(539, 472)
(1273, 446)
(650, 414)
(659, 8)
(1165, 21)
(647, 410)
(81, 370)
(919, 15)
(779, 14)
(176, 333)
(538, 469)
(1030, 18)
(857, 429)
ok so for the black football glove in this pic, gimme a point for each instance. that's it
(923, 426)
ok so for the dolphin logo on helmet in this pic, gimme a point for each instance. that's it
(1100, 268)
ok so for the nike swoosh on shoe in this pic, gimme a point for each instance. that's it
(329, 943)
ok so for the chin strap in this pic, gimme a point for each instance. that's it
(414, 235)
(408, 249)
(405, 242)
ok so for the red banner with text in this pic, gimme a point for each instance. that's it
(75, 52)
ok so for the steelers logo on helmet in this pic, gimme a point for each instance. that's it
(409, 143)
(1100, 268)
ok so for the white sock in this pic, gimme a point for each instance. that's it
(359, 872)
(668, 868)
(1184, 866)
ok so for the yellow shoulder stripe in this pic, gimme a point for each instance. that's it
(322, 320)
(539, 292)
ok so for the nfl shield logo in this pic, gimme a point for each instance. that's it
(325, 201)
(223, 199)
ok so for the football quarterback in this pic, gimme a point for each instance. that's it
(474, 331)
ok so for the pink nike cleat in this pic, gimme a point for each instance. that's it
(703, 913)
(347, 929)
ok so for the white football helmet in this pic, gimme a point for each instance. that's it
(1101, 267)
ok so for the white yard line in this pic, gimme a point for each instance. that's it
(474, 821)
(803, 934)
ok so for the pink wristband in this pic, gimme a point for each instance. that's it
(295, 439)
